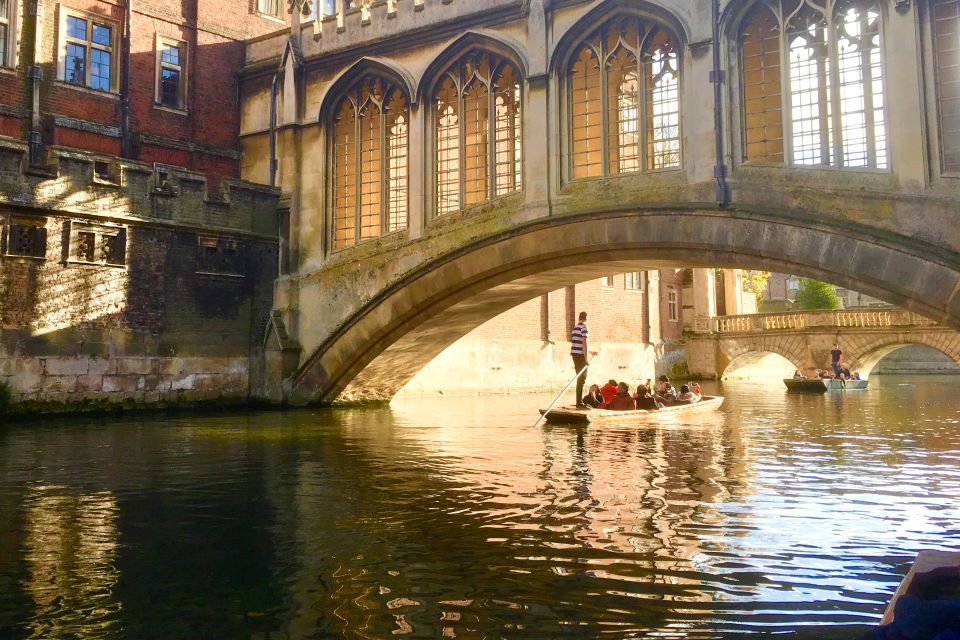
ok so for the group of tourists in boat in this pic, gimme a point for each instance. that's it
(840, 370)
(616, 396)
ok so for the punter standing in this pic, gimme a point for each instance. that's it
(578, 350)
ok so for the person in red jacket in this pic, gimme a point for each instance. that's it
(622, 401)
(608, 391)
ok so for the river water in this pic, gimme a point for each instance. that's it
(453, 517)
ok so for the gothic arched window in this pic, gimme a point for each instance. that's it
(833, 80)
(624, 92)
(369, 162)
(477, 131)
(946, 33)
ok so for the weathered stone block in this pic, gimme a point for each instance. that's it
(66, 366)
(120, 383)
(140, 366)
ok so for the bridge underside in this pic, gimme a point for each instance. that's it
(367, 347)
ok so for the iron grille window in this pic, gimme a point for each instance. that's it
(25, 239)
(624, 100)
(98, 245)
(477, 127)
(221, 256)
(834, 81)
(88, 52)
(946, 30)
(370, 141)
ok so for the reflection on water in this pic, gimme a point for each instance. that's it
(454, 518)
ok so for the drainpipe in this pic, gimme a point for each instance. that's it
(274, 91)
(126, 148)
(35, 73)
(716, 77)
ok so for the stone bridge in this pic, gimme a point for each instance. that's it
(582, 183)
(805, 338)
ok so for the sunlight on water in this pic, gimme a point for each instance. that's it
(453, 517)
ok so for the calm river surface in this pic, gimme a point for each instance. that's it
(452, 517)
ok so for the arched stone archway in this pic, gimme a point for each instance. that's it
(377, 323)
(871, 352)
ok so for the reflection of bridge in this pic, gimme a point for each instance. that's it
(565, 192)
(805, 339)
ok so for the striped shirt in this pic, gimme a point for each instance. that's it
(580, 333)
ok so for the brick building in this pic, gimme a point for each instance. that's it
(134, 264)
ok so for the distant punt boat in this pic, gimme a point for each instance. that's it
(572, 415)
(817, 385)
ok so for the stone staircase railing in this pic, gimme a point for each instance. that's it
(855, 318)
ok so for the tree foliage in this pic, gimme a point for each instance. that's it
(756, 282)
(814, 294)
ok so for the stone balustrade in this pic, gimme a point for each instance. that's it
(853, 318)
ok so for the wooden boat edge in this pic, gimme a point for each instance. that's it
(571, 415)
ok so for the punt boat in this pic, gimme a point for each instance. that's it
(933, 575)
(817, 385)
(572, 415)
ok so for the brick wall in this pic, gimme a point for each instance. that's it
(203, 137)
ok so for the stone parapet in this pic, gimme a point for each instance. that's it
(80, 183)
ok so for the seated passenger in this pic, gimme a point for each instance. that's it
(609, 390)
(797, 375)
(593, 398)
(695, 387)
(644, 400)
(687, 396)
(844, 372)
(664, 391)
(622, 401)
(856, 375)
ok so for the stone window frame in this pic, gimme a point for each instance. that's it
(565, 84)
(265, 10)
(113, 48)
(8, 32)
(88, 244)
(183, 68)
(673, 304)
(220, 266)
(834, 128)
(7, 224)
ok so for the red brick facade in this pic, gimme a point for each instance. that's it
(202, 136)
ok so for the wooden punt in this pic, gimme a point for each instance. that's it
(932, 572)
(572, 415)
(816, 385)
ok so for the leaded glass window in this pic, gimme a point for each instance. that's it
(88, 46)
(833, 79)
(370, 162)
(477, 132)
(624, 95)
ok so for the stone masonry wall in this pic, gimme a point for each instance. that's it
(129, 293)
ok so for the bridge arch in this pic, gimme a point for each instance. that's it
(367, 345)
(872, 352)
(739, 353)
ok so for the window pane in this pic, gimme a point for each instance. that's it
(946, 26)
(508, 143)
(760, 68)
(663, 104)
(476, 122)
(448, 149)
(170, 54)
(397, 171)
(624, 117)
(75, 67)
(345, 175)
(3, 44)
(100, 69)
(101, 34)
(862, 130)
(585, 107)
(170, 88)
(371, 154)
(76, 28)
(809, 88)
